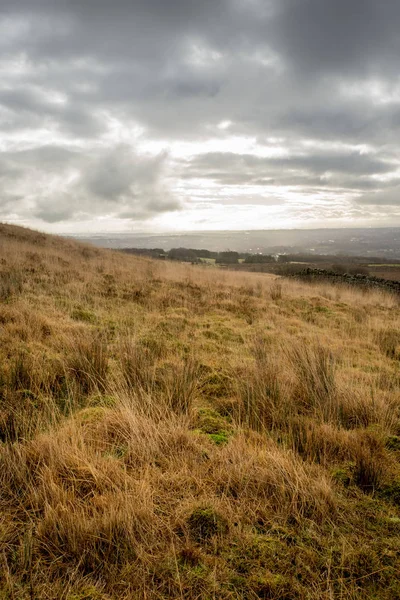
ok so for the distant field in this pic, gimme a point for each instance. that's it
(210, 261)
(391, 272)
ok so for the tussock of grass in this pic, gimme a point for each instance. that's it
(169, 431)
(87, 363)
(314, 367)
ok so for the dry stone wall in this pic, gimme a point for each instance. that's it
(345, 278)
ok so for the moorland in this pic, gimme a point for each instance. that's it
(187, 432)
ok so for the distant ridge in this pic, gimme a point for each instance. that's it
(384, 242)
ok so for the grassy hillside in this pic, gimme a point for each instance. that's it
(170, 431)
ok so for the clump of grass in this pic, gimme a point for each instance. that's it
(261, 399)
(259, 396)
(181, 384)
(322, 443)
(365, 410)
(137, 365)
(36, 374)
(11, 284)
(276, 291)
(102, 543)
(33, 395)
(272, 478)
(87, 362)
(21, 373)
(315, 368)
(370, 469)
(388, 340)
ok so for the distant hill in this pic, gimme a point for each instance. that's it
(382, 242)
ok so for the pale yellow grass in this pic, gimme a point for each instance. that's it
(170, 431)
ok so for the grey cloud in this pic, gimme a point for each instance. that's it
(133, 182)
(8, 203)
(388, 197)
(322, 36)
(55, 209)
(278, 68)
(122, 30)
(27, 107)
(241, 169)
(114, 181)
(141, 49)
(110, 176)
(335, 119)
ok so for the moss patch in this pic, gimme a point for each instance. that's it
(205, 522)
(393, 443)
(216, 427)
(82, 314)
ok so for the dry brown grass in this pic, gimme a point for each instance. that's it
(169, 431)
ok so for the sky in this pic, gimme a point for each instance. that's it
(181, 115)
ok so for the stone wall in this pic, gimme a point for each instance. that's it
(359, 280)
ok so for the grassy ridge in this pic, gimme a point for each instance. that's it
(170, 431)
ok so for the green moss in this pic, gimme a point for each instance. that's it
(393, 443)
(112, 328)
(82, 314)
(229, 335)
(256, 552)
(219, 438)
(205, 522)
(254, 561)
(322, 309)
(155, 346)
(87, 593)
(272, 585)
(391, 492)
(91, 414)
(217, 384)
(211, 335)
(342, 475)
(209, 421)
(238, 583)
(103, 400)
(393, 524)
(216, 427)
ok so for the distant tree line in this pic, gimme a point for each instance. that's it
(259, 259)
(285, 262)
(191, 254)
(226, 257)
(153, 252)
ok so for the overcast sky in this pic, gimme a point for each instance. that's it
(159, 115)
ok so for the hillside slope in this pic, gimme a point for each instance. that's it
(170, 431)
